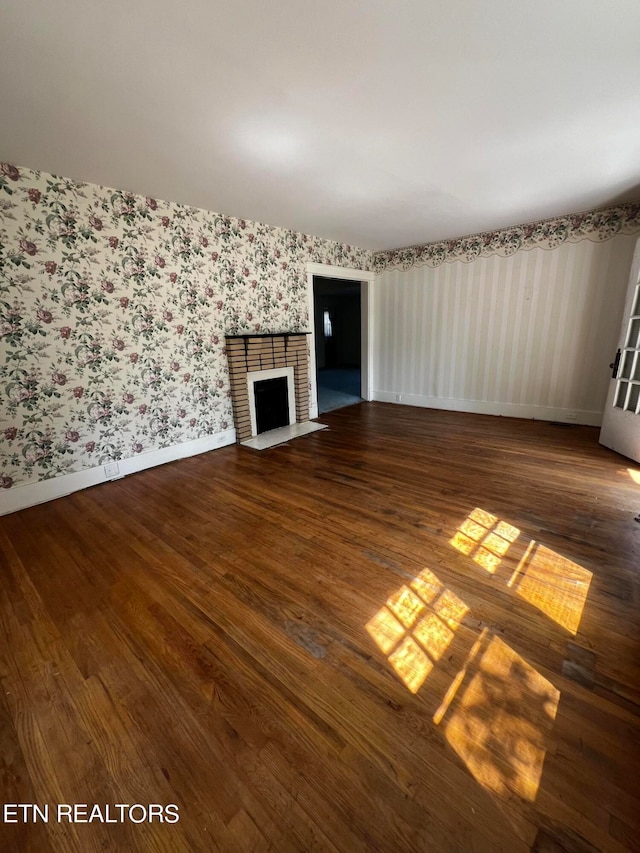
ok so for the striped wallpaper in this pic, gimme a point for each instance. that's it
(529, 335)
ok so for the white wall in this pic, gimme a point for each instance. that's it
(530, 335)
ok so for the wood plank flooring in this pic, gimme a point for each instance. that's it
(413, 631)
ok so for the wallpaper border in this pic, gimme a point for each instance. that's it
(596, 225)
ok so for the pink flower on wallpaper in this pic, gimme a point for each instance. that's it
(90, 446)
(180, 328)
(34, 195)
(143, 409)
(251, 237)
(215, 340)
(245, 271)
(133, 357)
(51, 267)
(124, 301)
(168, 316)
(186, 378)
(44, 315)
(5, 482)
(279, 296)
(10, 171)
(175, 365)
(224, 425)
(107, 286)
(95, 222)
(59, 378)
(242, 224)
(204, 242)
(193, 422)
(10, 433)
(78, 391)
(160, 261)
(254, 284)
(151, 203)
(137, 447)
(285, 265)
(182, 413)
(219, 383)
(118, 344)
(72, 435)
(249, 316)
(256, 327)
(113, 242)
(165, 221)
(128, 398)
(28, 247)
(208, 292)
(277, 253)
(214, 256)
(219, 304)
(173, 277)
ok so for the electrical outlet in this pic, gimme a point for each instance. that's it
(111, 470)
(398, 398)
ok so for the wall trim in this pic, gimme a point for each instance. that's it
(329, 271)
(31, 494)
(481, 407)
(596, 225)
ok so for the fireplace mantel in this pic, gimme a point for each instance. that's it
(266, 335)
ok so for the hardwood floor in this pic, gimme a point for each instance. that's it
(414, 631)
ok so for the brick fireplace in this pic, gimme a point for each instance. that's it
(252, 357)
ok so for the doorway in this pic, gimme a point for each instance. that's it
(365, 281)
(337, 318)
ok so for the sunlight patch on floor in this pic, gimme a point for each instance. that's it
(485, 538)
(502, 720)
(555, 586)
(548, 581)
(415, 627)
(635, 475)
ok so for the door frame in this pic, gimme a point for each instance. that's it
(620, 429)
(366, 279)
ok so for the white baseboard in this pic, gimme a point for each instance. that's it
(21, 497)
(506, 410)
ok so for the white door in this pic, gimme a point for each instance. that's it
(621, 421)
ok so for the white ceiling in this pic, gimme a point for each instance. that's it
(379, 123)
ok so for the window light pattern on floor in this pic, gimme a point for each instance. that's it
(554, 585)
(416, 625)
(485, 538)
(498, 711)
(501, 723)
(548, 581)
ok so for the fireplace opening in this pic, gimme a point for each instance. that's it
(272, 403)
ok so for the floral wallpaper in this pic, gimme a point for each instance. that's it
(113, 311)
(596, 225)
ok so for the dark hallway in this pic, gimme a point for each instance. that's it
(338, 342)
